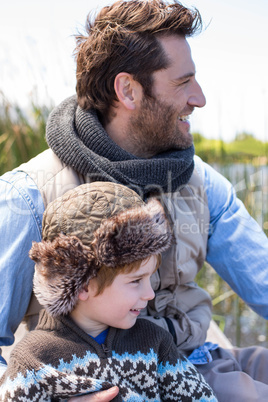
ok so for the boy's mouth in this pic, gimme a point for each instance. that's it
(136, 311)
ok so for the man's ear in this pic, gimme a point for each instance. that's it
(128, 91)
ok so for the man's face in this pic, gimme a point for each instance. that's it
(162, 124)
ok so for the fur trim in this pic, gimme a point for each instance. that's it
(63, 267)
(132, 235)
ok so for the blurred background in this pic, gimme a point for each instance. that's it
(37, 71)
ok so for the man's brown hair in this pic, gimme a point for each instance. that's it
(124, 38)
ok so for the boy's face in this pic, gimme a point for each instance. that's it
(119, 305)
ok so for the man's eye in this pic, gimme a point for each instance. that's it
(185, 82)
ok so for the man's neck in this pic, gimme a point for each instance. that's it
(118, 133)
(117, 130)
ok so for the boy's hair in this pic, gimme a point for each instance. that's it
(106, 275)
(93, 226)
(124, 38)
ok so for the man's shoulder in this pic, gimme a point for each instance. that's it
(51, 176)
(43, 162)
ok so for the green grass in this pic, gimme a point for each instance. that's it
(22, 134)
(244, 149)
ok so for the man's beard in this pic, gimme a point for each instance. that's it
(154, 129)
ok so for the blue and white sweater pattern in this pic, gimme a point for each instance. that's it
(58, 360)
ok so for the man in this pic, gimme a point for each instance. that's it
(136, 87)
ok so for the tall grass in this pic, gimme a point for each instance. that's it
(22, 133)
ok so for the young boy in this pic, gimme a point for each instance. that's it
(101, 244)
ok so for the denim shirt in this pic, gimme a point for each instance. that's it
(237, 247)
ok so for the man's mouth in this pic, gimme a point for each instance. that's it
(184, 118)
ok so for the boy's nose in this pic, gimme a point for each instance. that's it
(149, 293)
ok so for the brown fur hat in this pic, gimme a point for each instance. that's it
(95, 224)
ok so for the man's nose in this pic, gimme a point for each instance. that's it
(197, 97)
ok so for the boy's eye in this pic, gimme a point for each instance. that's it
(136, 281)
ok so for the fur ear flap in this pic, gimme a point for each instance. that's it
(132, 235)
(67, 265)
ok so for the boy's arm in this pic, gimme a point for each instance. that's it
(27, 375)
(177, 375)
(21, 210)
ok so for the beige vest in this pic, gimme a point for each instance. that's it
(176, 292)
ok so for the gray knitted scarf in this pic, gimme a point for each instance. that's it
(80, 141)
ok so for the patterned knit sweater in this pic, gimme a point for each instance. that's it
(59, 360)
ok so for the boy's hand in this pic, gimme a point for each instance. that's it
(102, 396)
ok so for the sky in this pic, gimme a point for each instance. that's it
(231, 58)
